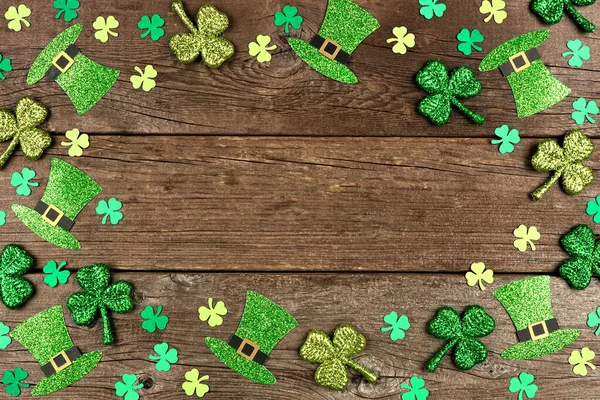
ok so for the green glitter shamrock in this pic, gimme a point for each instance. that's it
(127, 387)
(153, 26)
(165, 357)
(103, 28)
(153, 321)
(54, 274)
(579, 53)
(429, 8)
(213, 315)
(146, 78)
(508, 138)
(581, 360)
(566, 162)
(398, 324)
(194, 383)
(261, 48)
(99, 297)
(593, 208)
(66, 9)
(416, 389)
(583, 109)
(288, 17)
(12, 380)
(5, 66)
(445, 90)
(523, 385)
(594, 320)
(468, 39)
(21, 180)
(78, 142)
(14, 289)
(5, 339)
(461, 335)
(110, 210)
(551, 11)
(2, 218)
(16, 16)
(580, 243)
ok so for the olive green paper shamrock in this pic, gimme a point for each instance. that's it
(99, 297)
(334, 356)
(551, 11)
(212, 314)
(581, 360)
(193, 383)
(104, 28)
(461, 334)
(260, 49)
(16, 16)
(580, 243)
(14, 289)
(566, 162)
(78, 142)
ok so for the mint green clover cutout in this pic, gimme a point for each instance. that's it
(398, 324)
(22, 181)
(429, 8)
(166, 356)
(12, 380)
(127, 389)
(54, 274)
(523, 385)
(593, 209)
(288, 17)
(5, 66)
(66, 8)
(583, 109)
(578, 53)
(2, 218)
(110, 210)
(153, 26)
(5, 339)
(416, 389)
(468, 40)
(153, 321)
(508, 138)
(594, 321)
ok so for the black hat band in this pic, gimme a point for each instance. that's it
(248, 349)
(53, 216)
(63, 61)
(538, 331)
(61, 361)
(330, 49)
(519, 62)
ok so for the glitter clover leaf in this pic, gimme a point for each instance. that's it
(16, 16)
(2, 218)
(153, 321)
(578, 53)
(403, 39)
(461, 334)
(194, 385)
(523, 385)
(260, 49)
(21, 180)
(152, 26)
(398, 324)
(416, 389)
(5, 66)
(146, 78)
(468, 39)
(127, 389)
(165, 356)
(13, 381)
(429, 8)
(78, 142)
(110, 210)
(14, 289)
(213, 315)
(103, 28)
(5, 339)
(583, 109)
(66, 8)
(508, 138)
(525, 236)
(55, 274)
(593, 209)
(593, 321)
(495, 8)
(580, 243)
(551, 11)
(288, 17)
(478, 275)
(581, 361)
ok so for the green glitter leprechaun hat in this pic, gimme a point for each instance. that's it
(527, 301)
(83, 80)
(263, 325)
(344, 27)
(46, 337)
(68, 191)
(534, 87)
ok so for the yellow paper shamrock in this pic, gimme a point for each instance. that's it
(16, 16)
(479, 275)
(495, 8)
(79, 141)
(581, 360)
(103, 28)
(213, 315)
(403, 39)
(145, 79)
(525, 236)
(260, 49)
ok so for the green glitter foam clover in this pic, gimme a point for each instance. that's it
(14, 289)
(551, 11)
(580, 243)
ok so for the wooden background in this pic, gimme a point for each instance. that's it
(339, 202)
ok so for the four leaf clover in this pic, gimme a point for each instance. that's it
(495, 8)
(580, 243)
(127, 387)
(78, 142)
(402, 38)
(194, 385)
(110, 210)
(213, 315)
(581, 360)
(103, 28)
(416, 389)
(12, 380)
(146, 78)
(288, 17)
(398, 324)
(593, 208)
(525, 236)
(479, 275)
(153, 321)
(21, 180)
(508, 138)
(583, 109)
(551, 11)
(165, 357)
(66, 8)
(5, 66)
(429, 8)
(260, 49)
(14, 289)
(5, 339)
(594, 320)
(153, 26)
(468, 40)
(16, 16)
(54, 274)
(523, 385)
(578, 53)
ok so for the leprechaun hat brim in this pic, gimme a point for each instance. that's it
(53, 234)
(330, 68)
(539, 348)
(60, 380)
(248, 369)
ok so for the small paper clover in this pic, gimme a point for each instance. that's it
(508, 138)
(416, 389)
(467, 40)
(429, 8)
(213, 315)
(5, 66)
(2, 218)
(194, 383)
(594, 321)
(66, 8)
(551, 11)
(578, 53)
(14, 289)
(583, 109)
(495, 8)
(78, 142)
(525, 236)
(166, 356)
(580, 243)
(16, 16)
(403, 40)
(110, 210)
(153, 321)
(152, 26)
(103, 28)
(127, 389)
(260, 49)
(398, 324)
(21, 180)
(523, 385)
(581, 360)
(146, 78)
(12, 380)
(593, 208)
(479, 275)
(288, 17)
(54, 274)
(5, 338)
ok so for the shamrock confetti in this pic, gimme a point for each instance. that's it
(14, 289)
(5, 339)
(288, 17)
(580, 243)
(66, 9)
(495, 8)
(213, 315)
(523, 385)
(153, 321)
(479, 275)
(525, 236)
(78, 142)
(110, 210)
(127, 389)
(260, 49)
(583, 109)
(578, 53)
(12, 380)
(398, 324)
(581, 361)
(152, 26)
(551, 11)
(21, 180)
(2, 218)
(146, 78)
(593, 208)
(16, 16)
(416, 389)
(403, 40)
(508, 138)
(54, 274)
(468, 39)
(103, 28)
(429, 8)
(166, 356)
(5, 66)
(194, 385)
(593, 321)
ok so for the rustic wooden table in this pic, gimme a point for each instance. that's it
(339, 202)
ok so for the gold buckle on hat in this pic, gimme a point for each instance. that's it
(525, 58)
(59, 215)
(67, 363)
(333, 55)
(60, 55)
(250, 343)
(535, 337)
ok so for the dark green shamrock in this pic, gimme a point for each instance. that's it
(153, 321)
(67, 9)
(582, 246)
(461, 335)
(12, 380)
(99, 297)
(551, 11)
(5, 66)
(153, 26)
(445, 90)
(566, 162)
(14, 289)
(288, 17)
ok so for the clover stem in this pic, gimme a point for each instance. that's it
(597, 331)
(481, 284)
(177, 7)
(521, 394)
(581, 21)
(541, 191)
(107, 335)
(367, 373)
(435, 361)
(473, 116)
(9, 150)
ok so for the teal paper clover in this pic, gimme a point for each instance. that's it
(5, 66)
(578, 53)
(508, 138)
(110, 210)
(166, 356)
(593, 209)
(20, 180)
(523, 385)
(153, 321)
(583, 109)
(398, 324)
(468, 40)
(416, 389)
(54, 274)
(594, 320)
(429, 8)
(127, 389)
(288, 17)
(5, 339)
(12, 380)
(66, 8)
(2, 218)
(153, 26)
